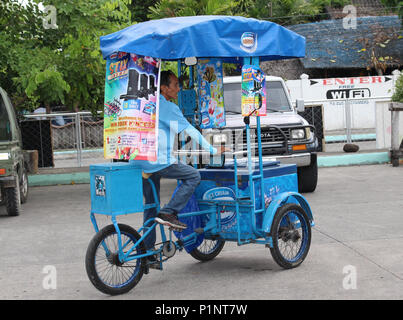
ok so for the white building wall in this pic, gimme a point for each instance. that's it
(362, 93)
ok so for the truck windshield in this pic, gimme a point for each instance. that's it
(5, 132)
(276, 98)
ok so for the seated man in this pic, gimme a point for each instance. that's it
(171, 121)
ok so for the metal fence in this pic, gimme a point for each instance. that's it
(379, 107)
(64, 139)
(76, 139)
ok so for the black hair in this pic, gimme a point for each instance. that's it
(166, 78)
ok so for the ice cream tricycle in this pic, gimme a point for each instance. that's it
(240, 198)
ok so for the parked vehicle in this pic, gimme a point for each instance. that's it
(286, 136)
(13, 167)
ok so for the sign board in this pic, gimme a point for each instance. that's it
(211, 93)
(361, 93)
(253, 86)
(131, 107)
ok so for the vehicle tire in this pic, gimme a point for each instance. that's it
(207, 250)
(308, 176)
(291, 235)
(12, 200)
(104, 270)
(24, 186)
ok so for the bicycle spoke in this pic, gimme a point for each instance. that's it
(109, 268)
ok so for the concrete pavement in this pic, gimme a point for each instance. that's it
(355, 252)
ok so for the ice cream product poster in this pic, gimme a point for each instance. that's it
(131, 107)
(253, 85)
(211, 93)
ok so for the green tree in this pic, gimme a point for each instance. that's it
(139, 9)
(62, 63)
(289, 12)
(177, 8)
(395, 6)
(20, 33)
(279, 11)
(80, 24)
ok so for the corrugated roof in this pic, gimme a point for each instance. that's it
(329, 44)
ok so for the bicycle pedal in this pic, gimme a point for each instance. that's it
(155, 266)
(176, 229)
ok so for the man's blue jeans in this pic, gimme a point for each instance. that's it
(190, 178)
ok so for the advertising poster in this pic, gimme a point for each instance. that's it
(253, 85)
(131, 107)
(211, 93)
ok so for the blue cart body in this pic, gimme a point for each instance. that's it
(218, 184)
(116, 188)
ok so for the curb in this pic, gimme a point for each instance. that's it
(58, 178)
(354, 138)
(353, 159)
(323, 162)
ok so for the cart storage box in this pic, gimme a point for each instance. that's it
(218, 184)
(116, 188)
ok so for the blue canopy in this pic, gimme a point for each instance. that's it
(226, 37)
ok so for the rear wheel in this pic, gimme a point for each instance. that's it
(104, 268)
(291, 234)
(207, 250)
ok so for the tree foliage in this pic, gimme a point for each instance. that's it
(63, 64)
(398, 94)
(178, 8)
(280, 11)
(396, 6)
(60, 64)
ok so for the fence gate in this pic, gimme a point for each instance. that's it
(37, 135)
(314, 115)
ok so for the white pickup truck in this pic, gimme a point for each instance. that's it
(286, 136)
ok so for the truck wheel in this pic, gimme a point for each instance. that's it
(308, 176)
(24, 186)
(13, 200)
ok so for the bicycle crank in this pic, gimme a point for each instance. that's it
(168, 249)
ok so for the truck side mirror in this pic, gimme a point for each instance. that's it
(260, 100)
(300, 105)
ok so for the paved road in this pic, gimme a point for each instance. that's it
(356, 250)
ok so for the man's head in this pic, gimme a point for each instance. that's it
(169, 85)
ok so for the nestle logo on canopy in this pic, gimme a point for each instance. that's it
(249, 41)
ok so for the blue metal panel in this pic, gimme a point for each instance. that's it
(218, 183)
(116, 188)
(272, 169)
(278, 201)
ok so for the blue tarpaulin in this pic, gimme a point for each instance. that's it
(331, 45)
(226, 37)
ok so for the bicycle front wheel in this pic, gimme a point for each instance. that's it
(104, 268)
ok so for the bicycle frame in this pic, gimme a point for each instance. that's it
(147, 228)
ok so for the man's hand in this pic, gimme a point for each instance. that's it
(222, 149)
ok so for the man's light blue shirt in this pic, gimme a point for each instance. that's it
(171, 122)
